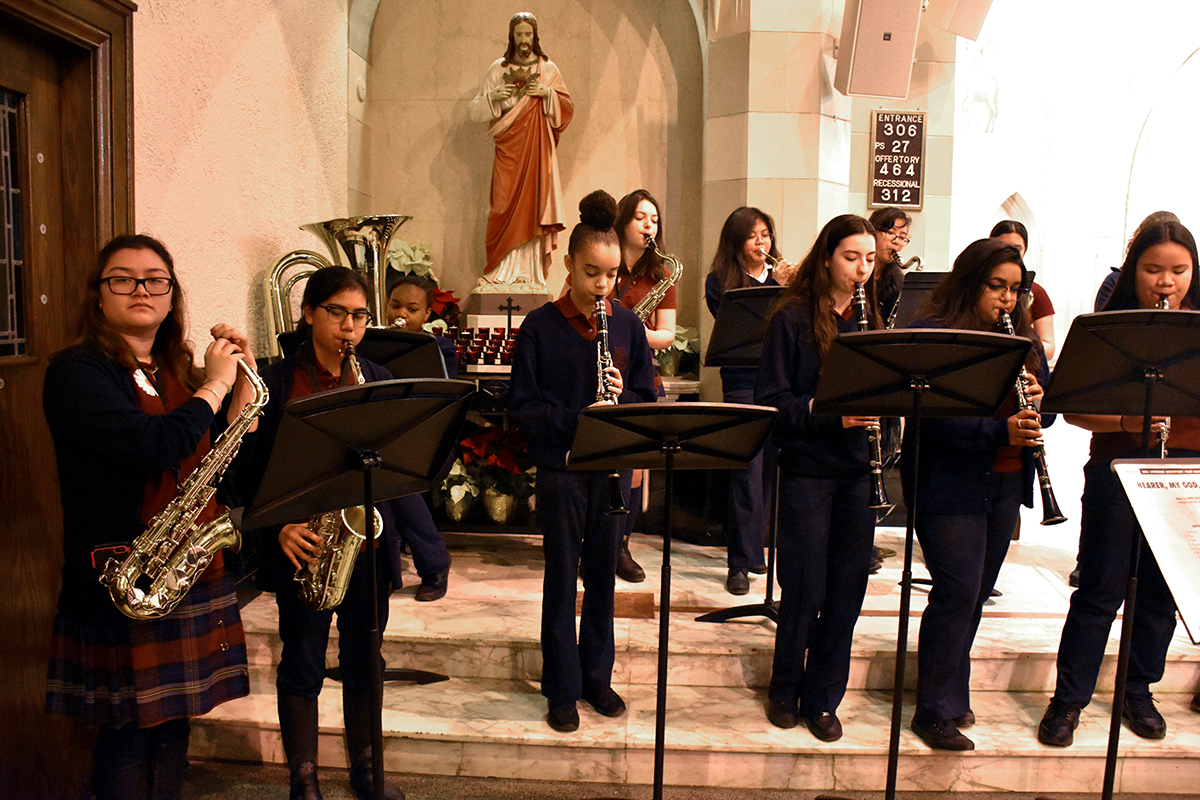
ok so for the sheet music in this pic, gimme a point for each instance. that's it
(1165, 495)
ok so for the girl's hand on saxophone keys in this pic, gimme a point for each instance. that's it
(860, 422)
(1025, 428)
(299, 543)
(224, 331)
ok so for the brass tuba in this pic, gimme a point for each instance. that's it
(360, 243)
(323, 583)
(172, 552)
(647, 304)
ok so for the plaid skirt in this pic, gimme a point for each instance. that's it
(151, 671)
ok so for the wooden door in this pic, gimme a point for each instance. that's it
(56, 205)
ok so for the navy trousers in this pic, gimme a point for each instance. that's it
(825, 537)
(746, 523)
(964, 553)
(1107, 528)
(578, 540)
(305, 635)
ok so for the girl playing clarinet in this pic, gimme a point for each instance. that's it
(975, 473)
(826, 524)
(554, 377)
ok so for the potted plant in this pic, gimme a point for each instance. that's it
(457, 492)
(682, 357)
(499, 463)
(403, 257)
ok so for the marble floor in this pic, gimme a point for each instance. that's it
(488, 719)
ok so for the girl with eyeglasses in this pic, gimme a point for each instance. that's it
(891, 235)
(335, 311)
(131, 417)
(975, 473)
(1161, 263)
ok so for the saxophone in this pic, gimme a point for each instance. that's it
(647, 304)
(879, 498)
(172, 552)
(891, 320)
(323, 582)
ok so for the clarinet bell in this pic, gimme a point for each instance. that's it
(616, 499)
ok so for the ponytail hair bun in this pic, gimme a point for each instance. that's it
(598, 210)
(597, 213)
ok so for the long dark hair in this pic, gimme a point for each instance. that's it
(1124, 295)
(812, 283)
(511, 52)
(649, 263)
(324, 284)
(597, 212)
(884, 219)
(954, 303)
(737, 229)
(169, 348)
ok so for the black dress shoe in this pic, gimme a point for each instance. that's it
(965, 721)
(738, 582)
(1143, 718)
(761, 569)
(607, 703)
(433, 588)
(564, 718)
(1073, 578)
(883, 552)
(825, 726)
(1196, 702)
(627, 569)
(941, 734)
(1058, 724)
(783, 713)
(362, 781)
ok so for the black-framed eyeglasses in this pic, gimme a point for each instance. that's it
(896, 236)
(1001, 290)
(123, 284)
(338, 314)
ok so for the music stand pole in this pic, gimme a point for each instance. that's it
(891, 373)
(403, 429)
(674, 436)
(1104, 359)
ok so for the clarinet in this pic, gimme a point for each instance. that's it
(604, 394)
(879, 497)
(1164, 302)
(1051, 514)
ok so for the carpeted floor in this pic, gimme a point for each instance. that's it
(221, 781)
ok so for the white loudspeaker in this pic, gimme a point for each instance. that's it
(962, 17)
(879, 40)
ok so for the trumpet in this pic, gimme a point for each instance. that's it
(1051, 514)
(1164, 302)
(323, 583)
(879, 498)
(604, 394)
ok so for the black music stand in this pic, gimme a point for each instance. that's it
(1128, 362)
(914, 373)
(411, 354)
(736, 341)
(397, 434)
(672, 436)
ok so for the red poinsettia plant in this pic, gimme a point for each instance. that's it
(499, 458)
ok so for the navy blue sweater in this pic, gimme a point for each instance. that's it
(958, 453)
(107, 448)
(787, 379)
(554, 377)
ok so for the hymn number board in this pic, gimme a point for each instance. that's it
(897, 159)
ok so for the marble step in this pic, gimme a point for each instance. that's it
(487, 627)
(715, 736)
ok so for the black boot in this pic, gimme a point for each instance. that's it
(628, 569)
(168, 759)
(356, 713)
(120, 763)
(298, 729)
